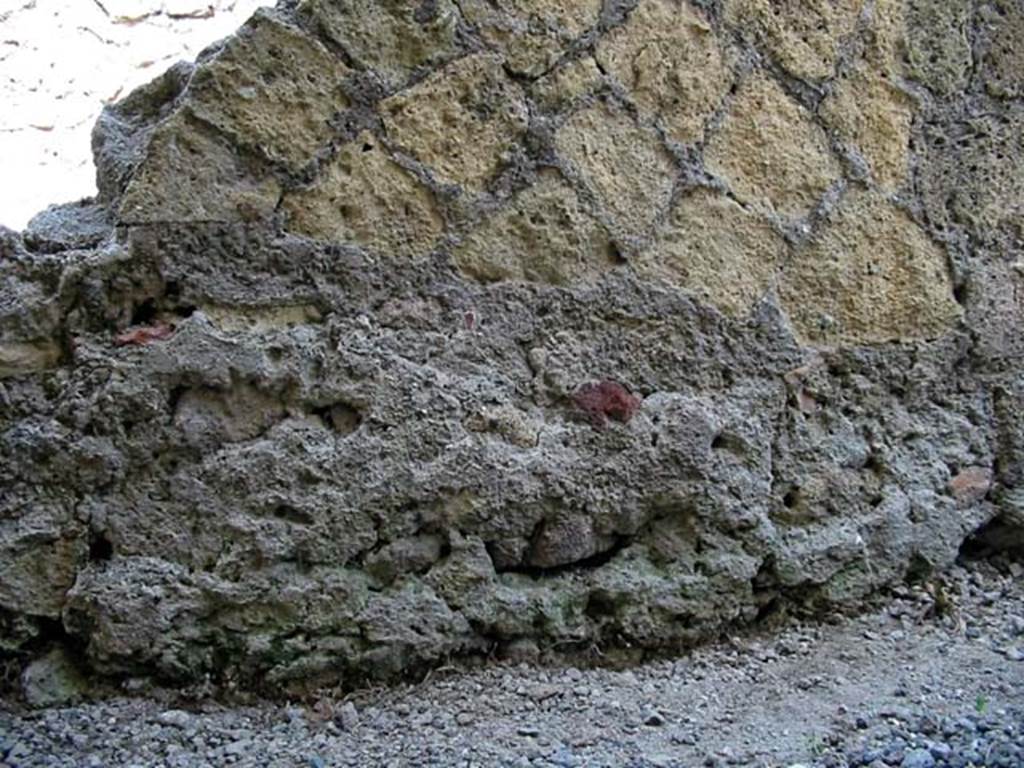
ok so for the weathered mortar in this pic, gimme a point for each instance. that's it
(293, 399)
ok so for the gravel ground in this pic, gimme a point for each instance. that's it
(62, 60)
(922, 683)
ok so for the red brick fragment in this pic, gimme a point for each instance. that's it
(605, 400)
(144, 335)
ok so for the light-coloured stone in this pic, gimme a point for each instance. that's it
(870, 275)
(867, 111)
(803, 35)
(366, 198)
(52, 681)
(460, 121)
(938, 51)
(627, 168)
(271, 89)
(543, 235)
(531, 34)
(261, 319)
(1002, 58)
(41, 552)
(771, 152)
(563, 87)
(18, 358)
(189, 175)
(668, 58)
(392, 37)
(717, 249)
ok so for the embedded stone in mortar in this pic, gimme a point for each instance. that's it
(531, 34)
(625, 166)
(271, 89)
(803, 35)
(364, 197)
(190, 174)
(1002, 57)
(770, 150)
(460, 121)
(669, 59)
(870, 275)
(394, 38)
(545, 234)
(716, 248)
(869, 112)
(563, 87)
(938, 51)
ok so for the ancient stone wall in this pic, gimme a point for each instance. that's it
(405, 330)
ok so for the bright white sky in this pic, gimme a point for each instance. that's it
(62, 60)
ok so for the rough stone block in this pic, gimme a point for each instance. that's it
(531, 34)
(870, 275)
(190, 175)
(460, 121)
(364, 197)
(670, 61)
(394, 38)
(771, 152)
(626, 166)
(272, 90)
(545, 234)
(938, 51)
(719, 250)
(871, 114)
(803, 35)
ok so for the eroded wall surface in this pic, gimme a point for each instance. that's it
(405, 330)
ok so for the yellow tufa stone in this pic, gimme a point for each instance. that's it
(717, 249)
(867, 111)
(871, 275)
(803, 35)
(531, 34)
(668, 58)
(366, 198)
(392, 37)
(189, 175)
(460, 121)
(563, 87)
(544, 235)
(626, 166)
(771, 152)
(272, 89)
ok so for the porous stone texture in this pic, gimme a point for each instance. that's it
(365, 197)
(715, 248)
(369, 355)
(395, 38)
(271, 89)
(873, 117)
(531, 34)
(544, 235)
(804, 36)
(869, 275)
(938, 46)
(771, 152)
(461, 122)
(669, 59)
(624, 165)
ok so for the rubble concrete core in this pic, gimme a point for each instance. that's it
(361, 361)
